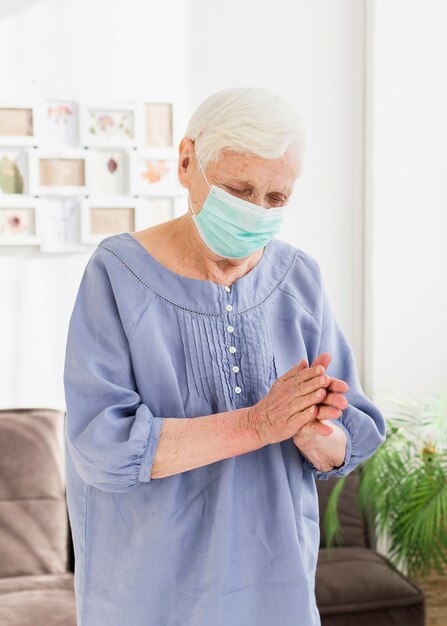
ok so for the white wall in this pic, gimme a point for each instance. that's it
(88, 50)
(407, 198)
(311, 52)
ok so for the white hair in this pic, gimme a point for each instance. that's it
(245, 119)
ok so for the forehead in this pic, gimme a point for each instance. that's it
(254, 169)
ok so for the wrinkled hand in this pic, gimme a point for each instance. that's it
(329, 408)
(293, 401)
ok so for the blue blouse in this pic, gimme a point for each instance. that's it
(234, 542)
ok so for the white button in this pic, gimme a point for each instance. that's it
(229, 307)
(237, 389)
(232, 349)
(230, 329)
(227, 289)
(235, 369)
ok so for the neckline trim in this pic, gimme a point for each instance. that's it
(204, 297)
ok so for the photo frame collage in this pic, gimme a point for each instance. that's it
(73, 173)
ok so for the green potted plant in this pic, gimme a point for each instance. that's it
(403, 489)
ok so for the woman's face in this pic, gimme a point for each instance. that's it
(265, 182)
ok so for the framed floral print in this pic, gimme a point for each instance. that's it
(14, 170)
(19, 221)
(59, 124)
(154, 172)
(107, 172)
(109, 125)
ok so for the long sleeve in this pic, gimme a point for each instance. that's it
(111, 435)
(362, 421)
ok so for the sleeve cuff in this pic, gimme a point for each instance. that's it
(337, 471)
(144, 474)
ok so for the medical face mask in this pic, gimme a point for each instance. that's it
(234, 228)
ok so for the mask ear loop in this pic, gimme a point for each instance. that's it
(190, 206)
(203, 172)
(201, 167)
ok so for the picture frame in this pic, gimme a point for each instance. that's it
(109, 124)
(161, 119)
(154, 172)
(158, 124)
(154, 210)
(60, 219)
(20, 223)
(58, 172)
(74, 186)
(104, 216)
(108, 172)
(58, 124)
(18, 124)
(14, 170)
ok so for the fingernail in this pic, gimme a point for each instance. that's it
(310, 409)
(320, 369)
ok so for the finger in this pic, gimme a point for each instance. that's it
(308, 386)
(328, 412)
(338, 385)
(336, 400)
(322, 359)
(303, 374)
(309, 402)
(293, 371)
(306, 413)
(318, 428)
(310, 373)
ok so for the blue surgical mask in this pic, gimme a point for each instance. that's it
(232, 227)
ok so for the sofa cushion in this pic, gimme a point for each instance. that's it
(46, 600)
(352, 581)
(33, 513)
(354, 526)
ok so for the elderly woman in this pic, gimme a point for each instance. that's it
(208, 385)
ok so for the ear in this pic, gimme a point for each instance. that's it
(186, 150)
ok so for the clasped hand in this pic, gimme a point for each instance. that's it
(297, 404)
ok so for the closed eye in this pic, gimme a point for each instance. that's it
(238, 191)
(273, 199)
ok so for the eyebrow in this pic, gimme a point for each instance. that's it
(238, 181)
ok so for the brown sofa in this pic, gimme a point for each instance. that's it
(354, 585)
(36, 584)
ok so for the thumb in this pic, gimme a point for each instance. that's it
(317, 427)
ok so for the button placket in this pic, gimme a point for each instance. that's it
(232, 349)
